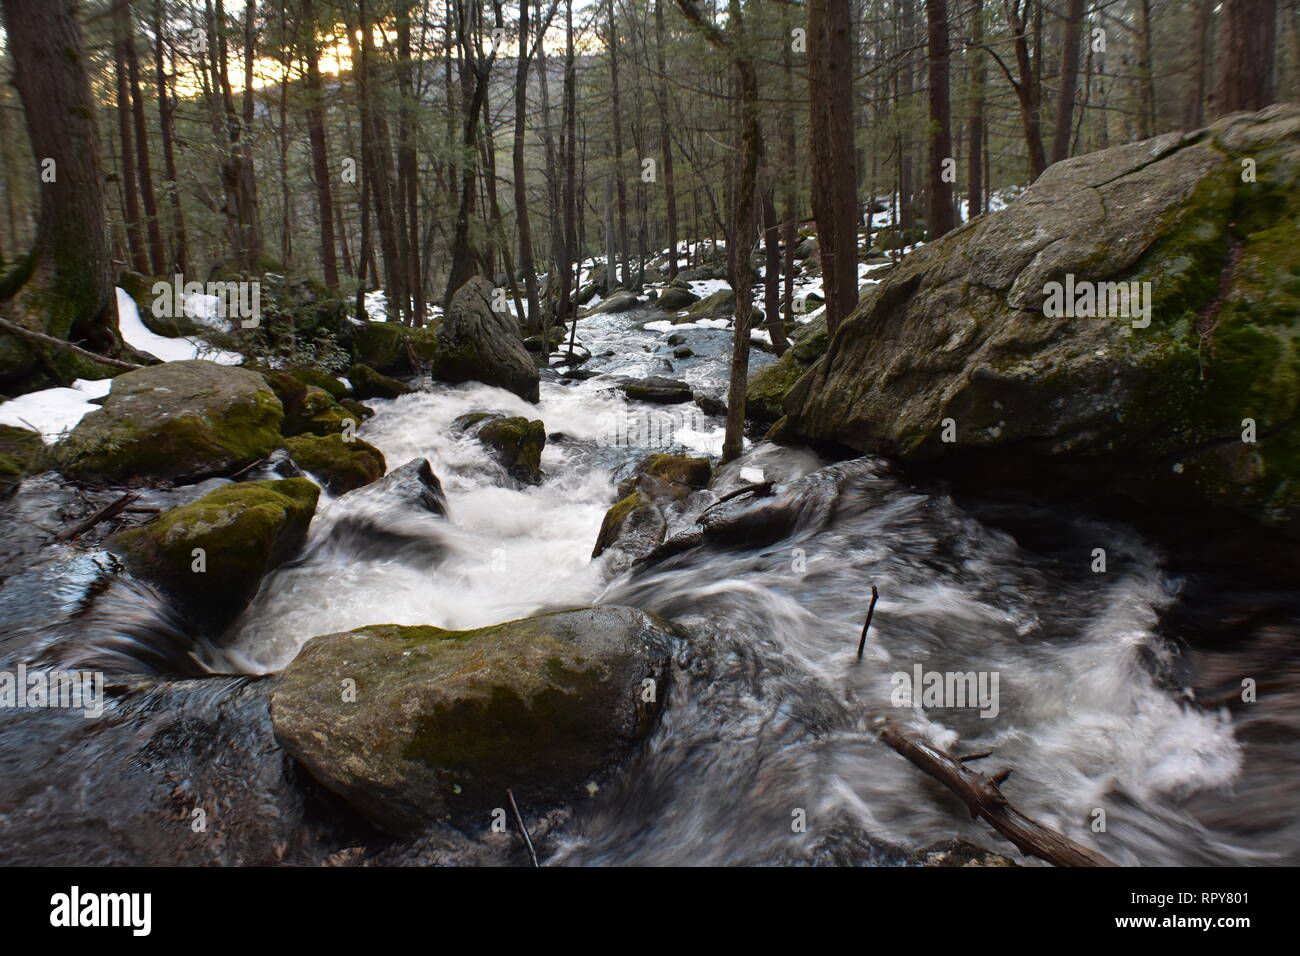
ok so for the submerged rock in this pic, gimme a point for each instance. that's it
(443, 722)
(240, 532)
(341, 465)
(1154, 408)
(181, 421)
(475, 343)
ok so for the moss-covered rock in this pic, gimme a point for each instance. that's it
(367, 383)
(381, 346)
(340, 465)
(766, 389)
(210, 555)
(618, 302)
(181, 421)
(673, 476)
(307, 409)
(443, 722)
(21, 453)
(1149, 414)
(517, 443)
(675, 298)
(479, 344)
(634, 526)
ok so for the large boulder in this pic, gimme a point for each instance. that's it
(766, 389)
(181, 421)
(636, 524)
(308, 409)
(478, 344)
(675, 298)
(443, 722)
(956, 342)
(210, 555)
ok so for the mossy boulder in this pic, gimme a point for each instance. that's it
(720, 305)
(667, 475)
(618, 302)
(381, 346)
(181, 421)
(479, 344)
(320, 379)
(443, 722)
(675, 298)
(21, 454)
(368, 383)
(340, 465)
(517, 443)
(243, 531)
(766, 389)
(307, 409)
(1152, 413)
(633, 527)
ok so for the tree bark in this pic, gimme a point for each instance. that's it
(319, 148)
(1069, 73)
(834, 192)
(1249, 51)
(942, 215)
(67, 286)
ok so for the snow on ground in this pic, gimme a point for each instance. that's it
(137, 335)
(53, 411)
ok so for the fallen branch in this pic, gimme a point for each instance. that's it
(13, 328)
(981, 794)
(862, 642)
(760, 490)
(111, 510)
(519, 821)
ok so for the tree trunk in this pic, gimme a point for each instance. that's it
(830, 88)
(665, 141)
(979, 76)
(319, 149)
(180, 245)
(130, 177)
(66, 288)
(1069, 73)
(1249, 49)
(522, 221)
(942, 215)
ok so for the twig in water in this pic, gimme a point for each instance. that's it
(110, 510)
(519, 821)
(862, 643)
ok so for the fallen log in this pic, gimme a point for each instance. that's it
(981, 794)
(40, 338)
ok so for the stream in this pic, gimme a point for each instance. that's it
(1102, 677)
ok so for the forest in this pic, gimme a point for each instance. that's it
(487, 433)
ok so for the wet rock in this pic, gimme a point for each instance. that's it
(477, 344)
(1146, 410)
(243, 531)
(339, 464)
(181, 421)
(683, 351)
(656, 389)
(367, 383)
(517, 444)
(618, 302)
(443, 722)
(308, 409)
(414, 485)
(958, 853)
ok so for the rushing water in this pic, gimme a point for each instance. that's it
(769, 718)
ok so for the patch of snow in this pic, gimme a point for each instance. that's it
(54, 411)
(137, 335)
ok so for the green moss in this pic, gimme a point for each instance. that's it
(340, 465)
(691, 472)
(243, 529)
(518, 445)
(368, 383)
(612, 525)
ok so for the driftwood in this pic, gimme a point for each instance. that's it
(862, 641)
(981, 794)
(760, 489)
(110, 510)
(41, 338)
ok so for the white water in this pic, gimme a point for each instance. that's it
(770, 710)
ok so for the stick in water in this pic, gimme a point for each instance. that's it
(862, 644)
(519, 820)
